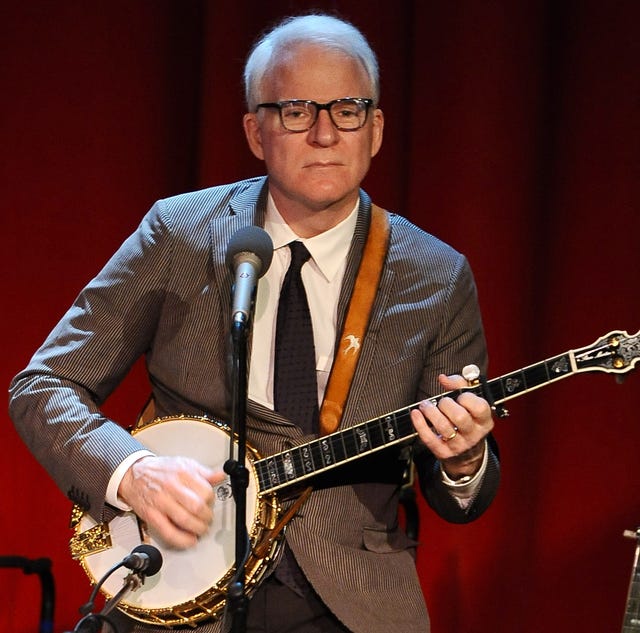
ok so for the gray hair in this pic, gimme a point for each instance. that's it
(320, 29)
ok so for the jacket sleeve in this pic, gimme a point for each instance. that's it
(55, 401)
(460, 341)
(442, 501)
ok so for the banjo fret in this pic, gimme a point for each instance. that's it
(338, 447)
(529, 378)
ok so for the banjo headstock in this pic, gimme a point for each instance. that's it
(617, 352)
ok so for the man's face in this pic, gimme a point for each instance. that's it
(322, 168)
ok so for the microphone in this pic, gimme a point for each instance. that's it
(249, 255)
(144, 558)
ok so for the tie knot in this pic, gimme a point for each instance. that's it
(299, 255)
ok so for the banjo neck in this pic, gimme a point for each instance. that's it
(616, 352)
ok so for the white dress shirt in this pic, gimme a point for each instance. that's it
(322, 277)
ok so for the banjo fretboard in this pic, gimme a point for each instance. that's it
(617, 352)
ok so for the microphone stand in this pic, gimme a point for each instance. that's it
(237, 601)
(132, 581)
(249, 255)
(92, 622)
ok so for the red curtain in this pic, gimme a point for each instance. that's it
(511, 132)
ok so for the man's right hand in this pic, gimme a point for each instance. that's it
(173, 495)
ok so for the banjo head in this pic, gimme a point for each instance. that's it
(191, 585)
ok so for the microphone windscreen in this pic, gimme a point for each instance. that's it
(155, 558)
(251, 239)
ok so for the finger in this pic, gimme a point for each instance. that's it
(214, 477)
(447, 429)
(452, 382)
(189, 501)
(178, 513)
(469, 413)
(168, 532)
(477, 407)
(194, 490)
(454, 415)
(197, 506)
(431, 426)
(444, 417)
(189, 513)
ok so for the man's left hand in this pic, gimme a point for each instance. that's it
(454, 430)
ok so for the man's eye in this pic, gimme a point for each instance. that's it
(295, 113)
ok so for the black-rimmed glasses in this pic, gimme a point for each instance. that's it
(300, 115)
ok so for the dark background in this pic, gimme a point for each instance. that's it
(511, 132)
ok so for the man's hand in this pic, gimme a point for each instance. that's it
(173, 495)
(454, 430)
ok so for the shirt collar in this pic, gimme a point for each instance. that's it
(329, 250)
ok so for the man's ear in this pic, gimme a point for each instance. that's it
(253, 134)
(378, 127)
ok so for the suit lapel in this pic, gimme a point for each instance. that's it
(245, 209)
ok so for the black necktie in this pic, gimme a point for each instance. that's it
(295, 388)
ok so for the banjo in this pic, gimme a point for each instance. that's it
(192, 584)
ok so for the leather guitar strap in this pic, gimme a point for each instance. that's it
(355, 323)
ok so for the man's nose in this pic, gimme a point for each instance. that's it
(324, 132)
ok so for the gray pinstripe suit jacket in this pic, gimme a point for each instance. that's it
(165, 294)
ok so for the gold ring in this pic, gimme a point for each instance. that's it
(450, 437)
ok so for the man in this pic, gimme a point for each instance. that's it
(313, 118)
